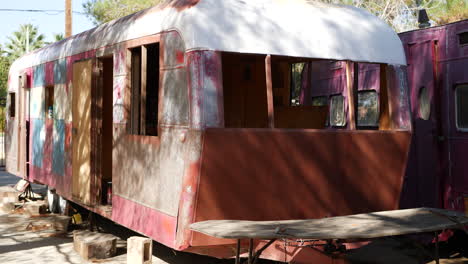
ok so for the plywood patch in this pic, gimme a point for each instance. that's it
(81, 132)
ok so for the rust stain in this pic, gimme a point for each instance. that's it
(181, 5)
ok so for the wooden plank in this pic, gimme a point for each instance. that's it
(81, 134)
(351, 88)
(269, 86)
(385, 121)
(360, 226)
(135, 92)
(144, 63)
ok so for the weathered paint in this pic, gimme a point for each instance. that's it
(173, 48)
(58, 160)
(37, 142)
(62, 102)
(39, 76)
(49, 73)
(145, 220)
(60, 71)
(162, 184)
(307, 174)
(436, 175)
(181, 5)
(118, 99)
(48, 147)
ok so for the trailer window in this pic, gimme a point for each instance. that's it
(337, 111)
(144, 90)
(368, 109)
(244, 91)
(12, 108)
(297, 72)
(424, 104)
(461, 95)
(49, 93)
(319, 101)
(463, 38)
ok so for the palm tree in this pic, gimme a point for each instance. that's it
(58, 37)
(23, 41)
(55, 38)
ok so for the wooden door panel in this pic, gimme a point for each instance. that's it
(81, 132)
(425, 127)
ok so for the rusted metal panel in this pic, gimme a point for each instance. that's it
(159, 159)
(206, 89)
(175, 104)
(148, 221)
(189, 191)
(455, 49)
(306, 174)
(173, 50)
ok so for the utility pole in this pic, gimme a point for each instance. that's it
(68, 18)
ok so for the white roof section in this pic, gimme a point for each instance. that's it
(297, 28)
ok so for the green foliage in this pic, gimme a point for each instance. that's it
(55, 38)
(4, 69)
(58, 37)
(449, 11)
(23, 41)
(102, 11)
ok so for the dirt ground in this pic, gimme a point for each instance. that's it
(20, 244)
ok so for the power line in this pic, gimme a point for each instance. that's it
(38, 11)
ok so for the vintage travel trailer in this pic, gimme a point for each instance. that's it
(192, 110)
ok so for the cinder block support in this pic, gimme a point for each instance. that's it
(91, 245)
(139, 250)
(8, 195)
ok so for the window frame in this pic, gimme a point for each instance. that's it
(344, 111)
(460, 38)
(420, 92)
(49, 91)
(370, 127)
(460, 129)
(12, 114)
(143, 88)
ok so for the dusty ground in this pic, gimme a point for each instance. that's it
(18, 245)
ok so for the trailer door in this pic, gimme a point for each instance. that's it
(81, 132)
(424, 99)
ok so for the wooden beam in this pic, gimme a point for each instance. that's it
(144, 60)
(352, 81)
(269, 86)
(68, 18)
(385, 120)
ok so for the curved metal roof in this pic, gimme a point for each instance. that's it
(296, 28)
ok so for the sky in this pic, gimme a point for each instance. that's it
(48, 23)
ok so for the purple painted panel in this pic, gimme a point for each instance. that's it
(455, 48)
(49, 73)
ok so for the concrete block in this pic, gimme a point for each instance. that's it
(8, 195)
(35, 208)
(61, 223)
(139, 250)
(91, 245)
(7, 207)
